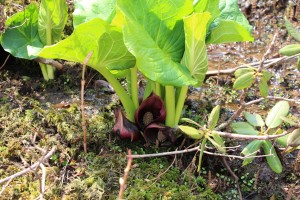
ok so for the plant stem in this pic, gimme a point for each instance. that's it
(148, 90)
(50, 71)
(180, 103)
(134, 87)
(157, 89)
(44, 71)
(153, 86)
(122, 94)
(201, 154)
(170, 106)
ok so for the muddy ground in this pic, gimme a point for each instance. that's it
(35, 114)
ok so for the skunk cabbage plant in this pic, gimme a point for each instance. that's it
(163, 40)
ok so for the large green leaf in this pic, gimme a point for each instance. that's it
(154, 34)
(230, 11)
(52, 18)
(280, 109)
(243, 128)
(85, 10)
(211, 6)
(230, 26)
(228, 31)
(21, 37)
(195, 55)
(98, 36)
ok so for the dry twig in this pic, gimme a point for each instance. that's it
(126, 170)
(31, 168)
(4, 62)
(82, 101)
(267, 63)
(195, 149)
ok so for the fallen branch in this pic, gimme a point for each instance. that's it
(54, 63)
(272, 98)
(250, 137)
(42, 181)
(123, 180)
(83, 124)
(267, 63)
(198, 148)
(31, 168)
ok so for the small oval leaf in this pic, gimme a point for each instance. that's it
(242, 71)
(280, 109)
(191, 132)
(218, 142)
(254, 119)
(213, 117)
(293, 139)
(282, 141)
(263, 88)
(266, 75)
(243, 128)
(290, 50)
(244, 81)
(273, 161)
(251, 150)
(292, 30)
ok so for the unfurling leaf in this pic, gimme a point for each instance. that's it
(243, 128)
(53, 16)
(213, 118)
(191, 132)
(242, 71)
(195, 54)
(280, 109)
(290, 50)
(273, 159)
(244, 81)
(263, 87)
(294, 138)
(251, 150)
(254, 119)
